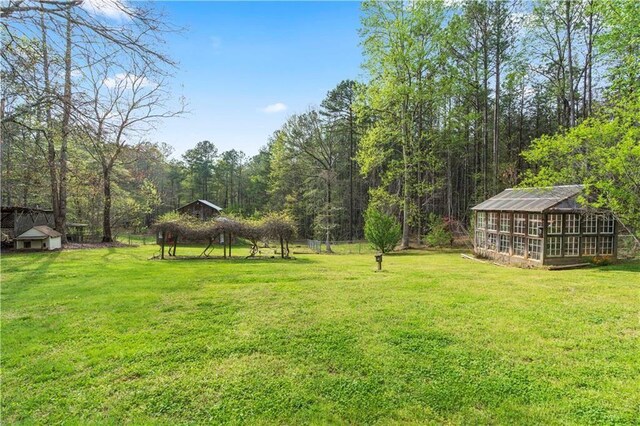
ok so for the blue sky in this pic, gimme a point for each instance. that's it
(238, 58)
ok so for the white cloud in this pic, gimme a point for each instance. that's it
(126, 81)
(112, 9)
(273, 108)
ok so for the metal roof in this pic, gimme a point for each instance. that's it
(530, 199)
(210, 204)
(8, 209)
(205, 202)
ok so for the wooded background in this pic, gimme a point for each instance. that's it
(460, 100)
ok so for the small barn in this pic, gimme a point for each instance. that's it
(39, 237)
(543, 226)
(202, 209)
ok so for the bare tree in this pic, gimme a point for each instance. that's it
(16, 7)
(68, 31)
(118, 106)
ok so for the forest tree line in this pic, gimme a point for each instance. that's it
(460, 101)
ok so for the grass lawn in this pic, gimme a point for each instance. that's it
(107, 336)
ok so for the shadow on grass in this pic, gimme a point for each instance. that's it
(42, 262)
(424, 252)
(235, 259)
(44, 257)
(110, 252)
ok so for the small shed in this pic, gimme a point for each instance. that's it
(39, 238)
(202, 209)
(543, 226)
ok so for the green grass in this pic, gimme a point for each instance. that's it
(107, 336)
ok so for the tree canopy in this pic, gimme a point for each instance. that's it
(457, 101)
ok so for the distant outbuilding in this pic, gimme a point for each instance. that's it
(202, 209)
(76, 232)
(543, 226)
(39, 238)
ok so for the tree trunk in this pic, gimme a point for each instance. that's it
(477, 136)
(61, 217)
(328, 234)
(51, 150)
(419, 164)
(572, 115)
(520, 131)
(407, 200)
(587, 78)
(485, 116)
(106, 213)
(496, 111)
(281, 248)
(449, 184)
(351, 155)
(6, 158)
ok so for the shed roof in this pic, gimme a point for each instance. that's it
(530, 199)
(210, 204)
(205, 202)
(39, 232)
(7, 209)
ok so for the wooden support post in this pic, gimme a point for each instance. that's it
(172, 251)
(281, 248)
(207, 248)
(162, 246)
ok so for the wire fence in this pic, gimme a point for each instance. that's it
(336, 247)
(136, 239)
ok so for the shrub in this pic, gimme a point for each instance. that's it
(602, 260)
(381, 230)
(439, 234)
